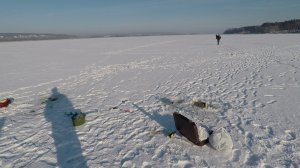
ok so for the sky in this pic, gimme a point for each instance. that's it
(98, 17)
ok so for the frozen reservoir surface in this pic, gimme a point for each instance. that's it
(129, 89)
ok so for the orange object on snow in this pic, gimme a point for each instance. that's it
(5, 103)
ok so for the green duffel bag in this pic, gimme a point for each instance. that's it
(78, 119)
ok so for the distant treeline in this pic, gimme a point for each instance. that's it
(291, 26)
(32, 36)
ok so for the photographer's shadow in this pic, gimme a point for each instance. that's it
(67, 144)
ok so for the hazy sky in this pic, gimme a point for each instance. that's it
(139, 16)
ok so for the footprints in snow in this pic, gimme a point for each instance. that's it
(249, 138)
(236, 154)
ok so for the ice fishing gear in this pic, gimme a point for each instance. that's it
(6, 102)
(78, 119)
(206, 106)
(188, 129)
(200, 104)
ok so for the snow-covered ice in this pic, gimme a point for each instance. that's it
(129, 88)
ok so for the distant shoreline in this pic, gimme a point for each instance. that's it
(10, 37)
(286, 27)
(15, 37)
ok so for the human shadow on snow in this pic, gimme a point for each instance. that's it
(67, 144)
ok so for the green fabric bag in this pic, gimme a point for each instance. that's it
(78, 119)
(200, 104)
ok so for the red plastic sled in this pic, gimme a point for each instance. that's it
(5, 103)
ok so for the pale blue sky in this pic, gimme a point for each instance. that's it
(140, 16)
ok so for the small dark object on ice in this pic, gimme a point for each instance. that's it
(52, 98)
(172, 134)
(200, 104)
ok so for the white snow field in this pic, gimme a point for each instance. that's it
(129, 88)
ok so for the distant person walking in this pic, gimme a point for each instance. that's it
(218, 37)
